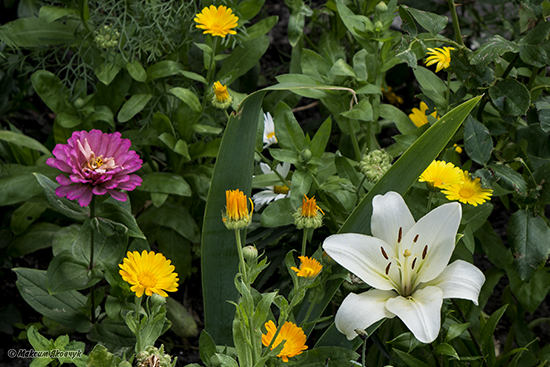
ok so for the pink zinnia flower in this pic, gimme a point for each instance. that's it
(97, 163)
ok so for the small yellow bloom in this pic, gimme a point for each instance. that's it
(149, 273)
(222, 99)
(309, 267)
(218, 21)
(309, 215)
(418, 116)
(441, 174)
(441, 56)
(392, 97)
(237, 215)
(458, 148)
(294, 337)
(310, 207)
(469, 191)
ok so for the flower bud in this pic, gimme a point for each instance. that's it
(381, 7)
(309, 215)
(152, 356)
(79, 103)
(378, 25)
(106, 37)
(375, 164)
(306, 155)
(362, 334)
(250, 253)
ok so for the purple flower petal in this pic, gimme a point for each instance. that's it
(86, 197)
(120, 196)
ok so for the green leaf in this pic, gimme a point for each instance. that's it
(320, 140)
(206, 129)
(486, 339)
(314, 65)
(410, 360)
(247, 9)
(68, 120)
(52, 13)
(278, 214)
(408, 25)
(183, 323)
(65, 308)
(23, 141)
(261, 27)
(242, 59)
(510, 97)
(341, 68)
(164, 182)
(432, 86)
(177, 249)
(39, 236)
(207, 347)
(492, 49)
(25, 215)
(62, 205)
(67, 273)
(361, 111)
(445, 349)
(193, 76)
(431, 22)
(285, 155)
(133, 106)
(338, 357)
(528, 238)
(136, 71)
(401, 120)
(477, 141)
(530, 294)
(107, 72)
(102, 113)
(301, 183)
(52, 91)
(162, 69)
(188, 97)
(219, 252)
(287, 130)
(35, 32)
(172, 216)
(114, 334)
(509, 179)
(455, 330)
(114, 214)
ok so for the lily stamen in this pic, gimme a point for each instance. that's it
(399, 235)
(384, 253)
(424, 252)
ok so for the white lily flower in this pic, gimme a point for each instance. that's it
(269, 130)
(272, 193)
(406, 264)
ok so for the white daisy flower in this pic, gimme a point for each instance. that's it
(272, 193)
(269, 131)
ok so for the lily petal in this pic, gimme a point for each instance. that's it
(460, 280)
(437, 230)
(359, 311)
(389, 213)
(362, 255)
(421, 312)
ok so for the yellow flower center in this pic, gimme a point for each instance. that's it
(466, 192)
(281, 189)
(271, 135)
(147, 279)
(217, 28)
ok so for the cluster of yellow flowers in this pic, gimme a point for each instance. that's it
(455, 183)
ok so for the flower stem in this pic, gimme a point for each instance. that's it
(448, 95)
(430, 199)
(91, 266)
(263, 158)
(363, 353)
(456, 25)
(138, 324)
(304, 241)
(242, 263)
(478, 346)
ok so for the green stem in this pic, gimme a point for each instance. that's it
(310, 309)
(356, 147)
(266, 161)
(363, 353)
(242, 263)
(210, 73)
(456, 25)
(448, 95)
(91, 266)
(430, 198)
(532, 78)
(304, 241)
(359, 187)
(138, 324)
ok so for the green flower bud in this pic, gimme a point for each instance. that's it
(381, 7)
(250, 253)
(378, 25)
(152, 356)
(106, 37)
(309, 216)
(306, 155)
(79, 103)
(375, 164)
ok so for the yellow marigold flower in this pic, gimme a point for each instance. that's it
(441, 174)
(441, 56)
(309, 267)
(294, 337)
(149, 273)
(418, 116)
(237, 215)
(221, 98)
(218, 21)
(458, 148)
(469, 191)
(308, 216)
(391, 96)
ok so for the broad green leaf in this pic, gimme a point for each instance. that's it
(492, 49)
(107, 72)
(219, 258)
(39, 236)
(408, 25)
(68, 120)
(114, 214)
(431, 22)
(509, 179)
(455, 330)
(206, 129)
(172, 216)
(486, 340)
(66, 207)
(102, 113)
(52, 91)
(338, 357)
(431, 85)
(188, 97)
(477, 141)
(165, 182)
(401, 120)
(114, 334)
(101, 357)
(446, 349)
(133, 106)
(314, 65)
(320, 140)
(65, 308)
(409, 359)
(530, 294)
(183, 322)
(360, 65)
(242, 59)
(297, 21)
(67, 273)
(510, 97)
(301, 183)
(278, 214)
(193, 76)
(261, 27)
(163, 69)
(207, 346)
(23, 141)
(528, 238)
(136, 71)
(287, 130)
(361, 111)
(177, 249)
(25, 215)
(35, 32)
(51, 13)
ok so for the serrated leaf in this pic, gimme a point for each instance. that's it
(510, 97)
(477, 141)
